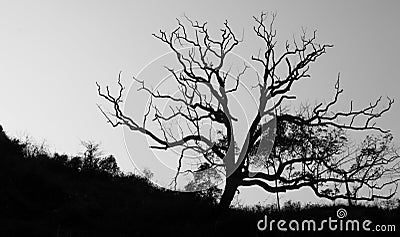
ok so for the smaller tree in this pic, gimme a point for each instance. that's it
(92, 160)
(109, 165)
(91, 155)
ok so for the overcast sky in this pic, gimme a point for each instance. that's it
(53, 52)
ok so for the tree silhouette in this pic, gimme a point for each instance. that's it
(91, 156)
(109, 165)
(310, 145)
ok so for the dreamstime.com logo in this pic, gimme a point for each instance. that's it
(330, 224)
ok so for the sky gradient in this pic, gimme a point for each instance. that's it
(53, 52)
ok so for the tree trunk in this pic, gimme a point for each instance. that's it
(231, 185)
(277, 197)
(350, 203)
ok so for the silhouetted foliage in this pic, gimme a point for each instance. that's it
(109, 165)
(75, 163)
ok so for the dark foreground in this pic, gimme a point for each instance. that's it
(57, 195)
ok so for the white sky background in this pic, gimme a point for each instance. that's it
(53, 52)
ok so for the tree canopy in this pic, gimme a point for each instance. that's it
(282, 149)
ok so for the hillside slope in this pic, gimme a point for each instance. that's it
(55, 195)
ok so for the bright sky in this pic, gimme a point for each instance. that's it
(53, 52)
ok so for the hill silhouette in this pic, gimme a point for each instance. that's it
(58, 195)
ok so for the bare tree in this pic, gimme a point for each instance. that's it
(309, 145)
